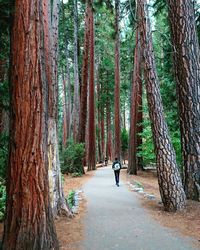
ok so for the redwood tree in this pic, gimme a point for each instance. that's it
(76, 106)
(132, 149)
(84, 83)
(171, 189)
(187, 64)
(91, 118)
(117, 142)
(29, 221)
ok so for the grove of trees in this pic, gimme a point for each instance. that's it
(85, 80)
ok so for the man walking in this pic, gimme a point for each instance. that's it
(116, 166)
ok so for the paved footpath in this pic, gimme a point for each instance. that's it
(115, 220)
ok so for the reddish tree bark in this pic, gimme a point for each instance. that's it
(187, 64)
(84, 85)
(100, 157)
(170, 185)
(139, 161)
(91, 120)
(117, 146)
(108, 132)
(76, 105)
(132, 149)
(102, 131)
(29, 221)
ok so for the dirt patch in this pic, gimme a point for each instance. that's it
(186, 222)
(70, 231)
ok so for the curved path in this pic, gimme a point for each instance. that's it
(115, 220)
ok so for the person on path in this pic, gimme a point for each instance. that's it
(116, 166)
(106, 161)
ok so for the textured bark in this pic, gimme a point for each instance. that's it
(171, 189)
(29, 222)
(91, 120)
(57, 198)
(132, 149)
(76, 106)
(187, 64)
(139, 161)
(117, 142)
(84, 85)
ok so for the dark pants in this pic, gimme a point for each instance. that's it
(117, 172)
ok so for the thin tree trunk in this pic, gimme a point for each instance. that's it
(76, 106)
(171, 189)
(100, 157)
(109, 145)
(132, 149)
(29, 221)
(84, 85)
(139, 161)
(102, 128)
(64, 132)
(91, 120)
(117, 84)
(59, 205)
(68, 89)
(187, 64)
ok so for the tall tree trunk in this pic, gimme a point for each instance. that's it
(102, 129)
(29, 221)
(171, 189)
(132, 149)
(57, 198)
(100, 157)
(117, 142)
(187, 65)
(84, 85)
(64, 132)
(91, 120)
(76, 106)
(108, 130)
(139, 161)
(68, 89)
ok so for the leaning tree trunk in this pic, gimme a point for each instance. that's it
(187, 65)
(57, 198)
(132, 149)
(171, 189)
(76, 106)
(84, 84)
(91, 120)
(117, 146)
(29, 222)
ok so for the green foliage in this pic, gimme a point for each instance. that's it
(146, 150)
(124, 140)
(3, 154)
(2, 199)
(72, 158)
(70, 198)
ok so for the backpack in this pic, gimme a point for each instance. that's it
(116, 166)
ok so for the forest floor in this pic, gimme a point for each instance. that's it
(71, 231)
(186, 222)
